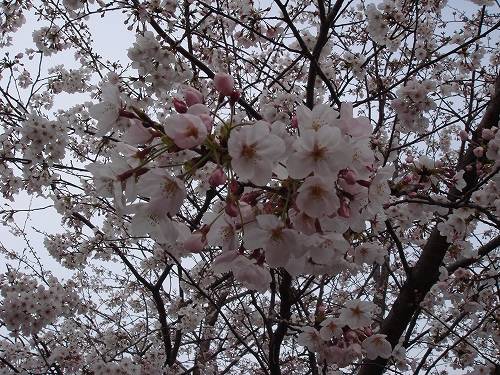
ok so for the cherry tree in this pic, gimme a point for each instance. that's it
(262, 188)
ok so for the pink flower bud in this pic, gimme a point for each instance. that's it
(488, 134)
(295, 122)
(409, 159)
(463, 135)
(234, 187)
(235, 96)
(192, 96)
(350, 177)
(224, 83)
(180, 106)
(195, 243)
(478, 151)
(218, 177)
(438, 164)
(412, 194)
(137, 133)
(469, 168)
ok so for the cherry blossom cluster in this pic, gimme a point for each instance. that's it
(377, 26)
(11, 20)
(45, 140)
(292, 192)
(72, 81)
(50, 40)
(27, 306)
(347, 336)
(412, 101)
(156, 65)
(175, 189)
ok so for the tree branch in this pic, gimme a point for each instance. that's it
(426, 271)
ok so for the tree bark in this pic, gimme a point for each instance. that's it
(426, 272)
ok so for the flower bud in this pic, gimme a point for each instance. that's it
(488, 134)
(192, 96)
(231, 209)
(218, 177)
(137, 134)
(350, 177)
(235, 96)
(234, 187)
(224, 83)
(463, 135)
(478, 152)
(180, 106)
(343, 210)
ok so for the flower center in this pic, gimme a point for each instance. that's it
(318, 153)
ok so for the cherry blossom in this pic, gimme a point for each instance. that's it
(320, 115)
(317, 197)
(277, 241)
(255, 152)
(310, 338)
(152, 219)
(252, 275)
(167, 192)
(108, 111)
(330, 327)
(357, 313)
(323, 151)
(186, 130)
(376, 345)
(114, 180)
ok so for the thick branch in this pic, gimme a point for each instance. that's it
(481, 252)
(426, 271)
(285, 313)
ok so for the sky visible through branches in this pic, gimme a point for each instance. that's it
(253, 187)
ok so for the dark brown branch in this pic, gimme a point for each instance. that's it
(481, 252)
(155, 291)
(286, 302)
(399, 246)
(426, 271)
